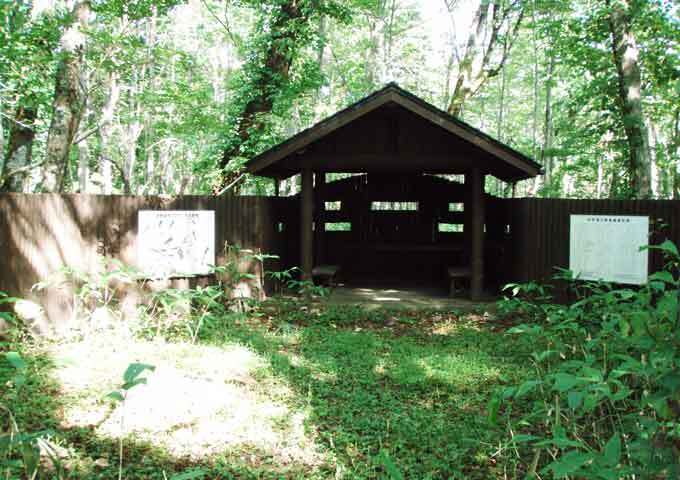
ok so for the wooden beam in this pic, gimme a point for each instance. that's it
(475, 180)
(307, 224)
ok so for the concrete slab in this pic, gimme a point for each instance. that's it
(373, 296)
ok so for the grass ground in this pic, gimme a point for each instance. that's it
(289, 391)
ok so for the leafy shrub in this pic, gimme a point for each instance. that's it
(93, 291)
(604, 400)
(20, 451)
(7, 316)
(185, 312)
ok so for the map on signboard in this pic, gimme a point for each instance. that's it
(607, 247)
(176, 243)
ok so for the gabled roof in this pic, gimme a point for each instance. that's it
(393, 130)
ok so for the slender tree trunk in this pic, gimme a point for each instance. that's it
(372, 52)
(164, 167)
(534, 117)
(152, 80)
(656, 174)
(68, 103)
(19, 150)
(83, 166)
(538, 180)
(600, 177)
(546, 155)
(106, 132)
(626, 56)
(132, 134)
(388, 42)
(674, 154)
(501, 106)
(494, 27)
(614, 185)
(2, 146)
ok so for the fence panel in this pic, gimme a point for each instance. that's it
(540, 230)
(39, 234)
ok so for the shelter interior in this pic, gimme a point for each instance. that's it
(397, 229)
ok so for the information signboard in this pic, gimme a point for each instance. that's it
(176, 243)
(607, 247)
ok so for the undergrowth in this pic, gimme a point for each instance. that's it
(603, 401)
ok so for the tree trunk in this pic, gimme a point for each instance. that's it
(131, 137)
(501, 106)
(600, 176)
(83, 166)
(493, 26)
(674, 153)
(106, 133)
(19, 151)
(274, 75)
(388, 41)
(656, 174)
(68, 99)
(546, 155)
(2, 146)
(626, 59)
(163, 169)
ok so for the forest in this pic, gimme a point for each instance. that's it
(173, 97)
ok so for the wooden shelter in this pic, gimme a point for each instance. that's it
(400, 216)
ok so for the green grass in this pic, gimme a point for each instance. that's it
(346, 393)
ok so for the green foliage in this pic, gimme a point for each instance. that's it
(188, 312)
(185, 313)
(93, 291)
(307, 288)
(7, 316)
(20, 450)
(131, 378)
(603, 401)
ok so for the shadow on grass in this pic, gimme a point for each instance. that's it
(37, 406)
(406, 406)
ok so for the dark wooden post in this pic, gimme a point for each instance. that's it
(307, 224)
(477, 214)
(277, 187)
(319, 220)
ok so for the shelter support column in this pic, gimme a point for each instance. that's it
(307, 224)
(319, 191)
(476, 194)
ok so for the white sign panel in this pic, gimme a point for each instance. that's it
(607, 247)
(176, 243)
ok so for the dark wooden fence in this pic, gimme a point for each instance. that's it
(539, 230)
(39, 234)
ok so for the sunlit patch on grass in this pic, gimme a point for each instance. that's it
(200, 401)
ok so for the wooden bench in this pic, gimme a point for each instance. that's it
(456, 275)
(326, 274)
